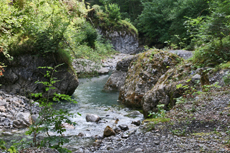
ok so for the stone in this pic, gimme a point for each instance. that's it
(123, 65)
(67, 126)
(137, 123)
(196, 77)
(138, 150)
(3, 102)
(2, 109)
(7, 133)
(25, 117)
(123, 127)
(124, 135)
(92, 118)
(108, 132)
(103, 71)
(115, 81)
(117, 129)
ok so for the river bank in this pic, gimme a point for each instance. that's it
(199, 124)
(206, 128)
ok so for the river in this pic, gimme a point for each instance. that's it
(92, 99)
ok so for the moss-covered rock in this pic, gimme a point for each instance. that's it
(144, 73)
(170, 85)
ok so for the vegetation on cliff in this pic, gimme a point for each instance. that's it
(57, 27)
(108, 19)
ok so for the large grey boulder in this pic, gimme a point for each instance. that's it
(22, 72)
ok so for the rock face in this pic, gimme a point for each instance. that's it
(17, 111)
(117, 79)
(144, 73)
(123, 41)
(21, 74)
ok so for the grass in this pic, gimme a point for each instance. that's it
(225, 65)
(157, 120)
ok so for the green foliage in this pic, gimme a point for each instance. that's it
(211, 34)
(113, 11)
(41, 27)
(227, 79)
(111, 19)
(50, 119)
(12, 148)
(163, 20)
(160, 113)
(179, 132)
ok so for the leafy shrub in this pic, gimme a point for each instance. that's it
(214, 52)
(41, 27)
(113, 11)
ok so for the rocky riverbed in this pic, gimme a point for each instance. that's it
(16, 112)
(200, 125)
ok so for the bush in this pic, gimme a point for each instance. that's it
(213, 53)
(41, 27)
(113, 11)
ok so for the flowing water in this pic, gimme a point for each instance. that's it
(93, 100)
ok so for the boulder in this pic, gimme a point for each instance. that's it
(196, 78)
(165, 90)
(21, 74)
(92, 118)
(108, 131)
(144, 72)
(117, 79)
